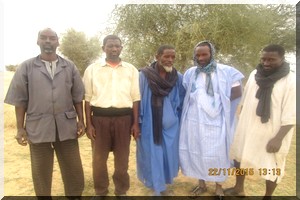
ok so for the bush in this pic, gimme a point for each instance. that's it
(11, 68)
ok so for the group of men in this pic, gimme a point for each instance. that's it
(179, 121)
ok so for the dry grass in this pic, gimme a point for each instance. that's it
(17, 171)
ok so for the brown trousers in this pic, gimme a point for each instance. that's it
(68, 157)
(112, 134)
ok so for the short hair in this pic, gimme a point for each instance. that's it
(275, 48)
(45, 30)
(161, 49)
(110, 37)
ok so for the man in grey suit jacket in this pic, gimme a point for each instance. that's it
(48, 90)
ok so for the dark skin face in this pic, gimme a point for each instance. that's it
(48, 42)
(112, 48)
(203, 55)
(166, 60)
(271, 61)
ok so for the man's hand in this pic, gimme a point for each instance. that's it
(80, 129)
(90, 132)
(21, 137)
(238, 111)
(274, 145)
(135, 131)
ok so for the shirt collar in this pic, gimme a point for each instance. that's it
(104, 64)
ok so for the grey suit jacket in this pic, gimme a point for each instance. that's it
(49, 103)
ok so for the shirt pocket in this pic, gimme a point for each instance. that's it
(169, 118)
(39, 125)
(71, 114)
(212, 110)
(33, 117)
(33, 122)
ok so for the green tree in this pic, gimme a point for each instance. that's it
(82, 50)
(11, 68)
(239, 31)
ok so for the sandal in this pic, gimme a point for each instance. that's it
(197, 191)
(219, 190)
(219, 197)
(220, 194)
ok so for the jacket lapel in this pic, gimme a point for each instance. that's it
(41, 66)
(61, 64)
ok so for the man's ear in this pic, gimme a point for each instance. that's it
(156, 56)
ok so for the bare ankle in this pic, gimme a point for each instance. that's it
(267, 198)
(202, 183)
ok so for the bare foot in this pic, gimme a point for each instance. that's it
(219, 190)
(233, 191)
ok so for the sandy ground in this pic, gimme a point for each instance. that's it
(17, 170)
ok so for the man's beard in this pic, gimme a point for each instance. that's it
(269, 72)
(48, 49)
(168, 69)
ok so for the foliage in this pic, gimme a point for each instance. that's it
(11, 68)
(80, 49)
(239, 31)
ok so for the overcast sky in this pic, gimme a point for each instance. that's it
(20, 21)
(24, 18)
